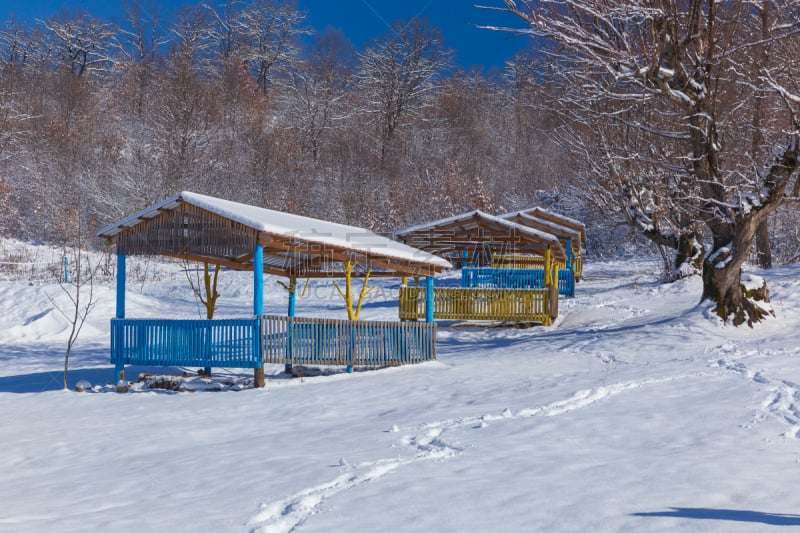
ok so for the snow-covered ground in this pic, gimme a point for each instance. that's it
(636, 411)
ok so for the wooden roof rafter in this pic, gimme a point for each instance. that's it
(198, 227)
(475, 228)
(562, 232)
(557, 218)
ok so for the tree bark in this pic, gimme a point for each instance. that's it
(724, 286)
(763, 248)
(690, 255)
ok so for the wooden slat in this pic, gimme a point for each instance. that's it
(515, 278)
(562, 220)
(321, 256)
(481, 230)
(188, 230)
(449, 303)
(321, 341)
(228, 343)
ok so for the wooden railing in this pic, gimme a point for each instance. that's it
(535, 261)
(229, 343)
(522, 305)
(519, 261)
(249, 343)
(515, 278)
(322, 341)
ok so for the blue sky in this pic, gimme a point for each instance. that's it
(359, 20)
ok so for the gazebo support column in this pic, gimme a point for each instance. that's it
(119, 366)
(429, 299)
(571, 266)
(568, 249)
(258, 310)
(291, 312)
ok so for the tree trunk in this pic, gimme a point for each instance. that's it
(689, 257)
(734, 301)
(722, 279)
(763, 248)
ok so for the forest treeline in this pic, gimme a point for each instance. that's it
(245, 101)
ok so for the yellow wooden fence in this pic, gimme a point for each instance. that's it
(455, 303)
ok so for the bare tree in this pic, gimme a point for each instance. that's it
(204, 290)
(697, 67)
(397, 75)
(77, 283)
(14, 47)
(81, 44)
(267, 32)
(317, 89)
(140, 41)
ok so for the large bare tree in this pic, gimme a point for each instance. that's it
(397, 75)
(317, 90)
(681, 79)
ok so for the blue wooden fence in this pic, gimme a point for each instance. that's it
(323, 341)
(515, 278)
(251, 342)
(229, 343)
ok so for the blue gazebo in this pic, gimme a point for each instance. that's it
(201, 228)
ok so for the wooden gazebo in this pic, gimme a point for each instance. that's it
(562, 220)
(243, 237)
(570, 232)
(472, 239)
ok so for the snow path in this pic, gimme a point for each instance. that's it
(286, 514)
(782, 401)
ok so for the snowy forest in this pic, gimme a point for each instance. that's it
(244, 101)
(666, 126)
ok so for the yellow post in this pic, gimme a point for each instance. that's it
(347, 294)
(555, 275)
(547, 267)
(361, 295)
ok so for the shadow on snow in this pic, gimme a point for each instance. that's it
(731, 515)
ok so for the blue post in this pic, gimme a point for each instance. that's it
(66, 270)
(351, 348)
(258, 310)
(569, 254)
(292, 297)
(120, 286)
(428, 298)
(258, 280)
(292, 309)
(119, 363)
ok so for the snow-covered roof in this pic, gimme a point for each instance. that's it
(559, 230)
(476, 229)
(294, 244)
(558, 218)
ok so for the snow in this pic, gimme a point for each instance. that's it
(635, 411)
(752, 282)
(726, 252)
